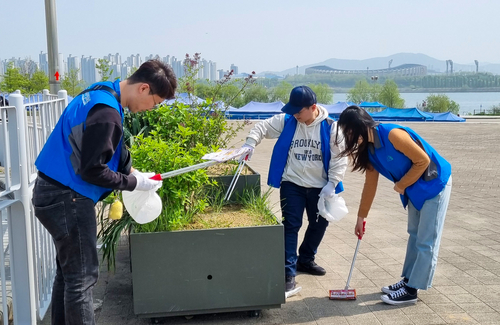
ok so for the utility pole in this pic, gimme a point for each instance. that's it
(52, 46)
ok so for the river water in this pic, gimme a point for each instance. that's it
(469, 102)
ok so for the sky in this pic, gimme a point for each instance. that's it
(257, 35)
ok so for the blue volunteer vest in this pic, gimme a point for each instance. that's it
(394, 165)
(60, 156)
(281, 150)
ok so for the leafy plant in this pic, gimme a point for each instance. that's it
(172, 137)
(441, 103)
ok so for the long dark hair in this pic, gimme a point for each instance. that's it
(354, 123)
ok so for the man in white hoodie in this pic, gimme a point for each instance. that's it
(304, 164)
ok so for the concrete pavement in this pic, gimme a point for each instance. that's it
(466, 287)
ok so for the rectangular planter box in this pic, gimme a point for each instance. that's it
(244, 181)
(207, 271)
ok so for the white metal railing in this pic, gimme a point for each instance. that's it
(29, 256)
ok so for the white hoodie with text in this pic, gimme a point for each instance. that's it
(304, 166)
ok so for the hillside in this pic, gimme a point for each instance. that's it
(434, 65)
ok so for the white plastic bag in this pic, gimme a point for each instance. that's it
(143, 206)
(332, 209)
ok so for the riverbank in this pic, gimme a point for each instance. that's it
(433, 90)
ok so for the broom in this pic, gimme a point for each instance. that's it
(348, 294)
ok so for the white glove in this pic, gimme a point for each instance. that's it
(328, 191)
(248, 152)
(144, 183)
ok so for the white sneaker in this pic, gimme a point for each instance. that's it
(292, 292)
(394, 287)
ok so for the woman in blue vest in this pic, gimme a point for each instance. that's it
(422, 178)
(83, 160)
(304, 164)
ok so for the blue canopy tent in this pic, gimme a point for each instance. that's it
(336, 109)
(446, 117)
(185, 99)
(372, 106)
(255, 110)
(401, 114)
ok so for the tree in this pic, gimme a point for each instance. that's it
(71, 83)
(281, 92)
(256, 93)
(104, 69)
(38, 82)
(441, 103)
(361, 92)
(13, 80)
(389, 95)
(204, 90)
(324, 94)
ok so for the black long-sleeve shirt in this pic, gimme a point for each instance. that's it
(103, 131)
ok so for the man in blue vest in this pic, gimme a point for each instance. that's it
(83, 160)
(304, 164)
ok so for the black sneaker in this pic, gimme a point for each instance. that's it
(290, 286)
(400, 297)
(311, 268)
(395, 287)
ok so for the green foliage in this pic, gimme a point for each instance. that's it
(441, 103)
(181, 195)
(38, 82)
(13, 80)
(104, 69)
(71, 83)
(281, 92)
(361, 92)
(389, 95)
(495, 109)
(173, 137)
(324, 94)
(256, 93)
(258, 204)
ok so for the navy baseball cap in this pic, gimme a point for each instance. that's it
(300, 97)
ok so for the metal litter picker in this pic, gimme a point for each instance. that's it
(347, 294)
(221, 156)
(145, 206)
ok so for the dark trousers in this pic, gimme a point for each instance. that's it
(71, 221)
(294, 199)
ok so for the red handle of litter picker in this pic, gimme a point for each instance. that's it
(156, 177)
(364, 227)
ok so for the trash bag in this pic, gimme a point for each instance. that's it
(332, 209)
(143, 206)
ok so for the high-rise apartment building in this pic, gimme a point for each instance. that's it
(234, 68)
(213, 71)
(43, 62)
(89, 71)
(74, 63)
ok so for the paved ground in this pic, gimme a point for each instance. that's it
(467, 283)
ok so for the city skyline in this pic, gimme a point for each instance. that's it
(261, 35)
(120, 68)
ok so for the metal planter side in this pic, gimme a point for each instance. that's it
(244, 181)
(207, 271)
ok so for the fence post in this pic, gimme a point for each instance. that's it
(63, 94)
(23, 270)
(45, 95)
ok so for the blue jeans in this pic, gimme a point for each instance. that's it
(425, 228)
(71, 221)
(294, 199)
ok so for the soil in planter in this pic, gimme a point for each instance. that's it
(230, 216)
(227, 169)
